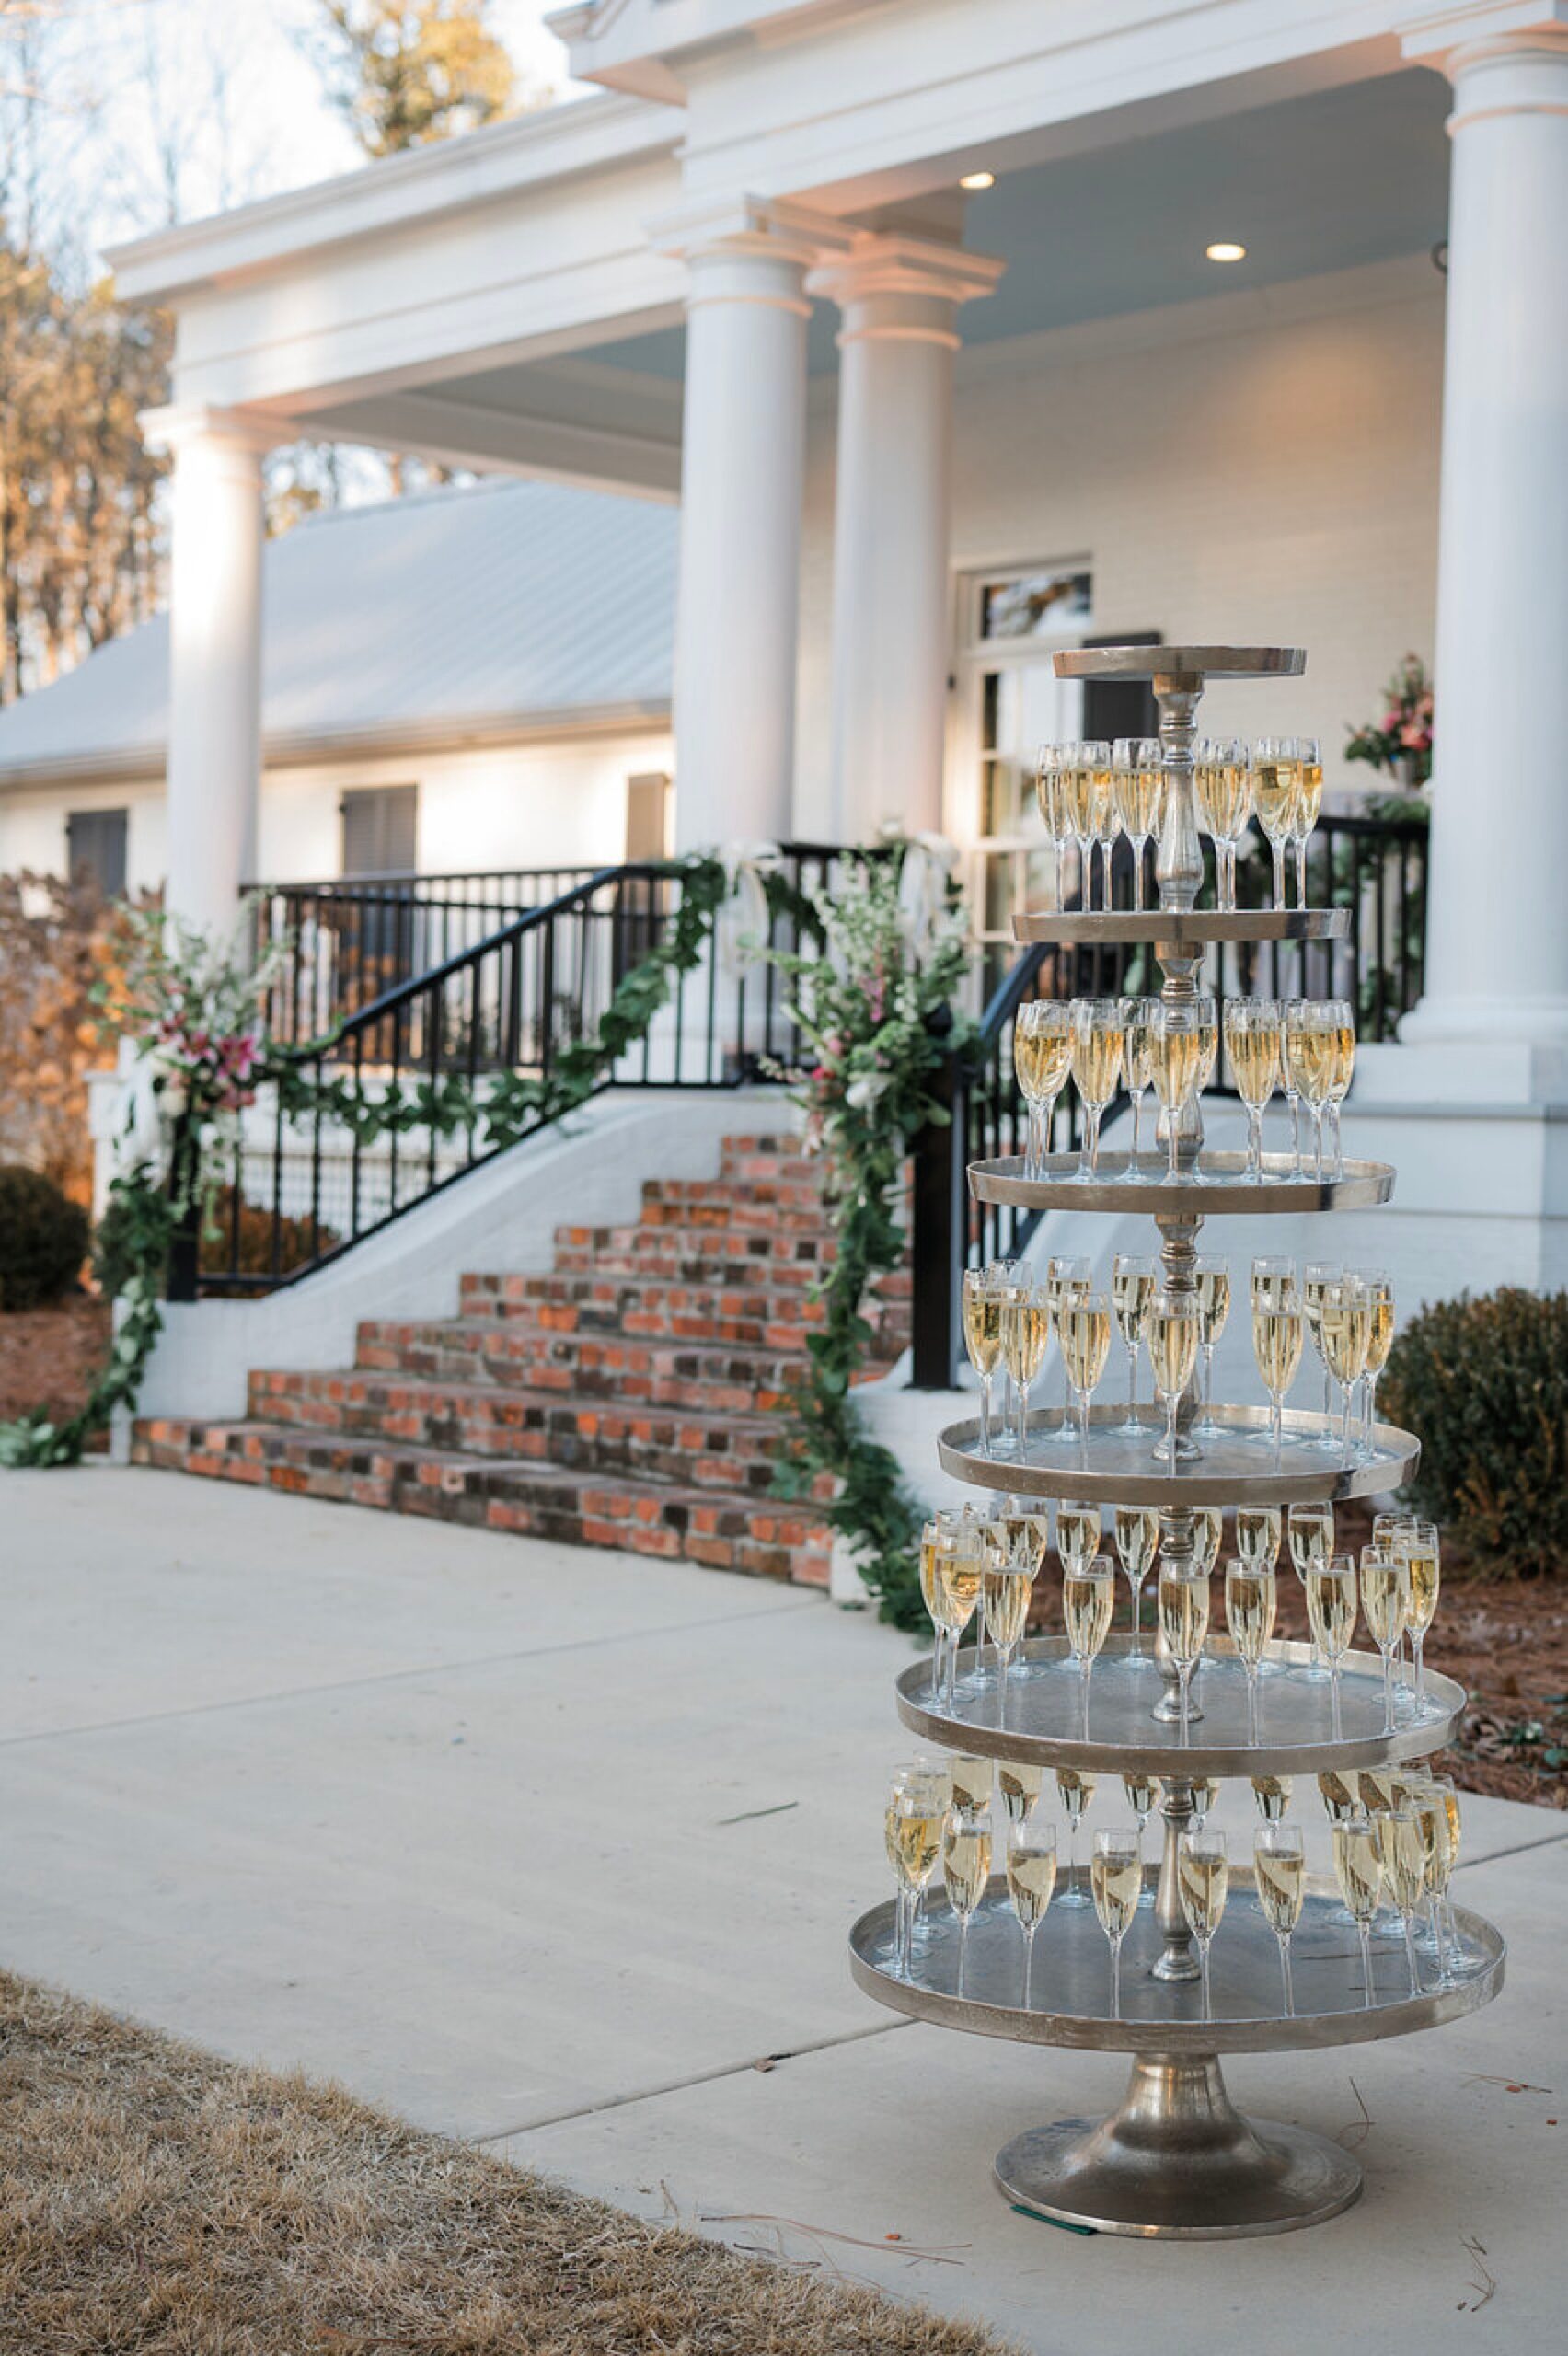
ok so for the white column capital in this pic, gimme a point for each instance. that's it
(1462, 35)
(889, 285)
(243, 432)
(748, 249)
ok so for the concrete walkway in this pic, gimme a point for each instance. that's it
(550, 1848)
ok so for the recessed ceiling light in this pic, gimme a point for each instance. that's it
(978, 180)
(1225, 251)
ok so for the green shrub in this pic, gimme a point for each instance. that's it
(1483, 1384)
(43, 1240)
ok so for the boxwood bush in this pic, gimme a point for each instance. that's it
(43, 1240)
(1483, 1384)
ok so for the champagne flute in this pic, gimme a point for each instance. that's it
(1089, 1599)
(1273, 798)
(1273, 1795)
(1385, 1599)
(1309, 1533)
(1077, 1534)
(960, 1567)
(1289, 1081)
(1106, 824)
(1205, 1791)
(974, 1782)
(1222, 785)
(1083, 1328)
(1279, 1865)
(1339, 1019)
(1205, 1013)
(1032, 1879)
(1214, 1308)
(1253, 1028)
(1463, 1959)
(1115, 1876)
(1138, 793)
(1250, 1606)
(1019, 1783)
(1208, 1534)
(983, 1340)
(1318, 1275)
(1345, 1316)
(1358, 1869)
(1007, 1589)
(966, 1869)
(1043, 1048)
(1183, 1623)
(1437, 1848)
(1379, 1342)
(1312, 1037)
(1420, 1549)
(1404, 1859)
(1331, 1608)
(1203, 1873)
(1307, 803)
(1050, 763)
(1076, 1791)
(1076, 792)
(1257, 1534)
(1026, 1329)
(1099, 1042)
(915, 1833)
(1278, 1335)
(1133, 1281)
(1178, 1053)
(1137, 1542)
(1170, 1331)
(940, 1530)
(1137, 1062)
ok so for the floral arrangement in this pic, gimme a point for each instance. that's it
(1401, 742)
(876, 1005)
(195, 1009)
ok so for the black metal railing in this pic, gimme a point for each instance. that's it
(300, 1192)
(1375, 867)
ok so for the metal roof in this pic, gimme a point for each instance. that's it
(509, 606)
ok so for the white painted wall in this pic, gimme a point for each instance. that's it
(1257, 466)
(537, 804)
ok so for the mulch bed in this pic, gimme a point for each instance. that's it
(51, 1358)
(1504, 1640)
(157, 2200)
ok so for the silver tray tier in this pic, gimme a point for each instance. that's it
(1179, 931)
(1044, 1721)
(1221, 1189)
(1180, 664)
(1234, 1467)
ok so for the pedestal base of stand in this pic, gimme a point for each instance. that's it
(1178, 2162)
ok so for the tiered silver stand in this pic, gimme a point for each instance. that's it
(1177, 2159)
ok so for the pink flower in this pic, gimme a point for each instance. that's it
(1413, 737)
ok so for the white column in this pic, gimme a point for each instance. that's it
(1497, 944)
(892, 601)
(215, 671)
(742, 484)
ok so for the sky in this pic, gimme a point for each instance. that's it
(162, 109)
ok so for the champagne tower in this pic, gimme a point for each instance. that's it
(1177, 2159)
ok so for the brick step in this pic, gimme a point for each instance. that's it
(735, 1453)
(694, 1255)
(645, 1517)
(792, 1204)
(717, 1377)
(652, 1310)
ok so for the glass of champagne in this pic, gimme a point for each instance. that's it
(1099, 1042)
(1250, 1606)
(1252, 1032)
(1032, 1879)
(1026, 1329)
(1077, 1534)
(1309, 800)
(1463, 1959)
(1257, 1534)
(1043, 1051)
(1341, 1067)
(1205, 1791)
(1083, 1328)
(983, 1340)
(959, 1566)
(1132, 1280)
(1279, 1864)
(1137, 1542)
(1273, 1795)
(1106, 824)
(1076, 1791)
(967, 1869)
(1007, 1587)
(1140, 799)
(1183, 1623)
(1089, 1599)
(915, 1836)
(1050, 763)
(936, 1533)
(1309, 1534)
(1202, 1874)
(1379, 1342)
(1344, 1315)
(1318, 1275)
(974, 1782)
(1358, 1869)
(1331, 1608)
(1385, 1598)
(1208, 1535)
(1278, 1333)
(1223, 789)
(1403, 1856)
(1305, 1065)
(1019, 1783)
(1274, 799)
(1214, 1308)
(1138, 1068)
(1437, 1847)
(1206, 1012)
(1170, 1331)
(1288, 1081)
(1115, 1879)
(1075, 798)
(1421, 1551)
(1178, 1055)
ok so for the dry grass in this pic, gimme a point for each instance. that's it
(159, 2201)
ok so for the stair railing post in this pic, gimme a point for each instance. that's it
(180, 1281)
